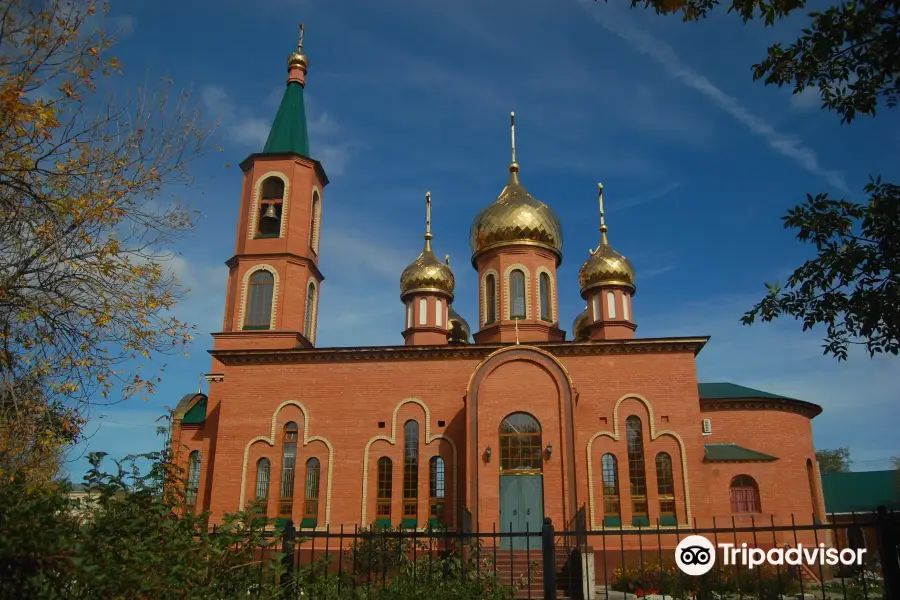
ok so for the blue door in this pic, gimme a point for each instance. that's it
(521, 510)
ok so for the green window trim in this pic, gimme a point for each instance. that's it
(263, 236)
(308, 523)
(612, 521)
(256, 327)
(436, 523)
(383, 523)
(668, 521)
(409, 523)
(640, 521)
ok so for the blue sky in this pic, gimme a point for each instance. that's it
(698, 164)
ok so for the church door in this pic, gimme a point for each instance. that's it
(521, 510)
(521, 481)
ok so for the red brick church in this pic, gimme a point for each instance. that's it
(500, 420)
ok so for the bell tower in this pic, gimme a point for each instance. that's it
(274, 279)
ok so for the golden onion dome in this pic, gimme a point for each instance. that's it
(427, 274)
(580, 326)
(459, 328)
(298, 59)
(605, 267)
(515, 218)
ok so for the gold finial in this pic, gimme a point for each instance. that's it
(513, 166)
(603, 227)
(428, 235)
(298, 60)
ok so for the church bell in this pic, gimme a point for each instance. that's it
(270, 213)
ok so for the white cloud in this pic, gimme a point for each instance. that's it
(808, 99)
(244, 128)
(651, 196)
(662, 53)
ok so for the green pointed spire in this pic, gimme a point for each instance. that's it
(289, 132)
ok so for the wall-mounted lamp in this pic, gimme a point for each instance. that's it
(487, 454)
(548, 450)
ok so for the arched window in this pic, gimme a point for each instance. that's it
(263, 470)
(610, 305)
(517, 294)
(193, 480)
(423, 311)
(409, 315)
(288, 469)
(270, 208)
(520, 443)
(744, 495)
(310, 308)
(410, 473)
(612, 514)
(546, 298)
(315, 221)
(436, 489)
(490, 299)
(385, 485)
(311, 506)
(259, 301)
(665, 486)
(438, 313)
(637, 471)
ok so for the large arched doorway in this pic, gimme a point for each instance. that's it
(521, 479)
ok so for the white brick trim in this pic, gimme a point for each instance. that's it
(537, 286)
(306, 441)
(315, 218)
(244, 287)
(507, 300)
(614, 435)
(254, 204)
(311, 335)
(483, 290)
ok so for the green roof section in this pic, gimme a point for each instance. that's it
(727, 452)
(289, 132)
(861, 492)
(196, 415)
(723, 391)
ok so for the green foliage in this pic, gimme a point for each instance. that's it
(850, 55)
(665, 578)
(834, 460)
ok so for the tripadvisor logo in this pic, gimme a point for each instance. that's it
(696, 555)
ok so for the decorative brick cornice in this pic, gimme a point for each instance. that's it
(807, 409)
(288, 257)
(469, 351)
(248, 162)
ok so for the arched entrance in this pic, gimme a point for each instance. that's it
(521, 478)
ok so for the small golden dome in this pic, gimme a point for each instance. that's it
(427, 274)
(459, 328)
(580, 325)
(298, 60)
(516, 217)
(605, 266)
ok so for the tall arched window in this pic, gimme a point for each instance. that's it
(310, 308)
(612, 514)
(193, 480)
(637, 472)
(409, 314)
(311, 504)
(410, 473)
(813, 489)
(665, 486)
(385, 486)
(259, 301)
(263, 471)
(517, 294)
(436, 489)
(270, 208)
(423, 311)
(490, 299)
(520, 443)
(546, 298)
(744, 495)
(315, 221)
(288, 469)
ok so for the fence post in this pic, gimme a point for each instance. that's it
(549, 557)
(888, 541)
(287, 548)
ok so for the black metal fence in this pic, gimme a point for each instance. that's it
(606, 563)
